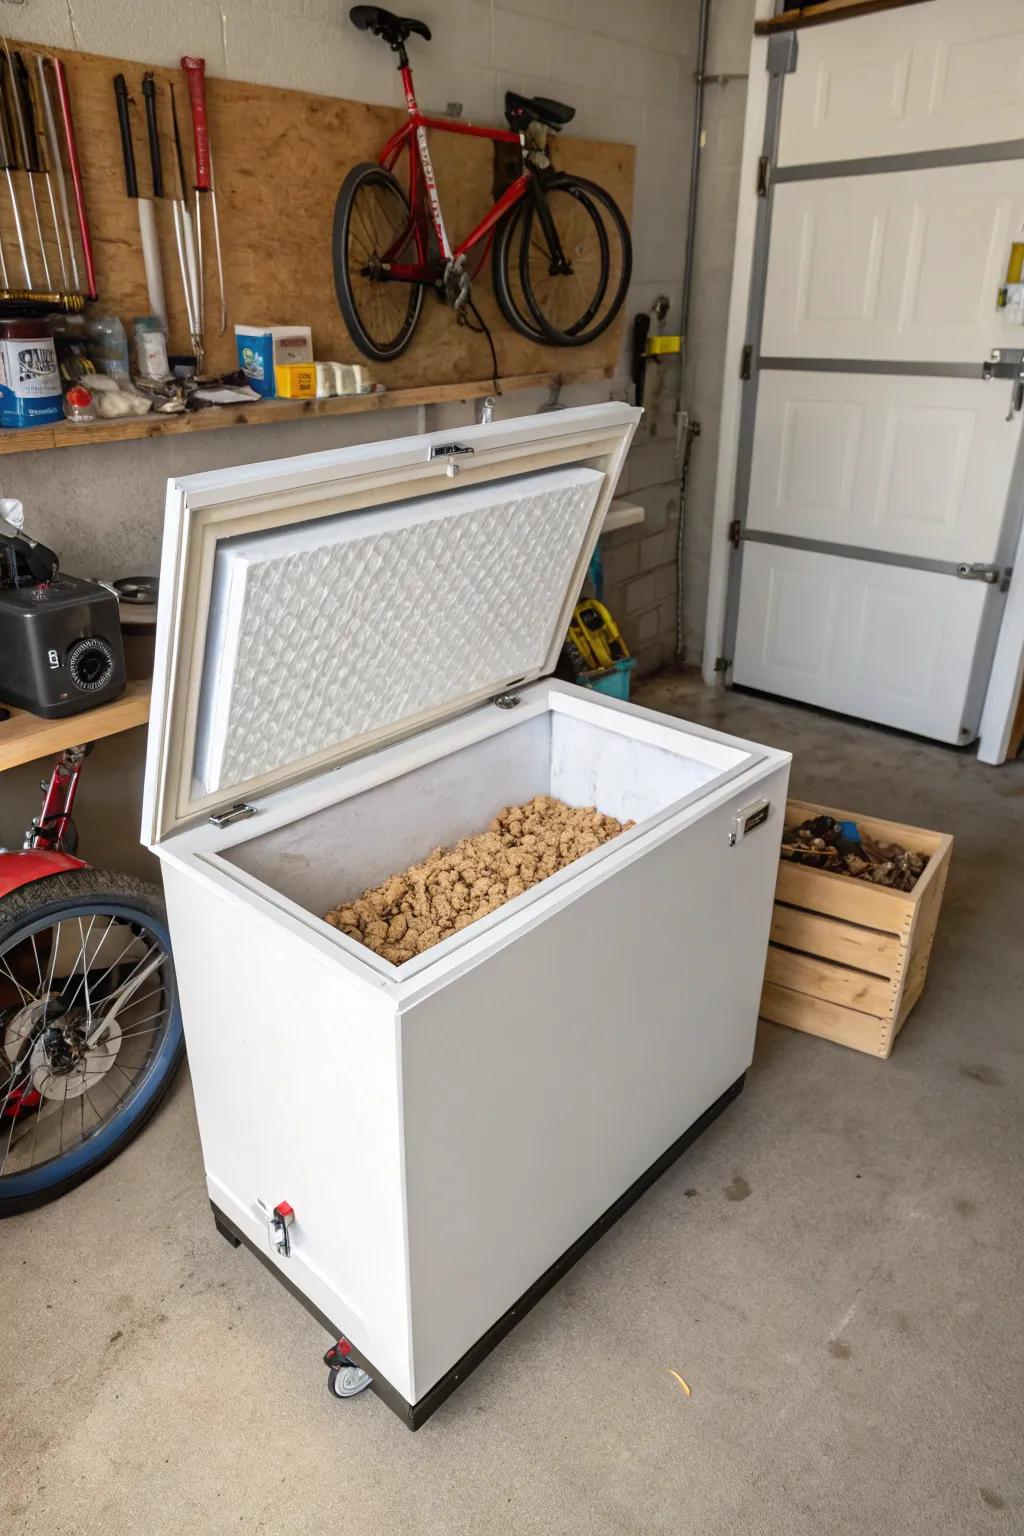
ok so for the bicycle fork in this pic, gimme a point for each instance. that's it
(559, 263)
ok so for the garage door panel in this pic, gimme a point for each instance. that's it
(911, 465)
(905, 83)
(892, 266)
(888, 644)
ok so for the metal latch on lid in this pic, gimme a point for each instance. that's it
(238, 812)
(451, 452)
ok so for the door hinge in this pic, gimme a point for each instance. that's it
(234, 813)
(746, 360)
(991, 575)
(764, 176)
(735, 533)
(506, 700)
(723, 663)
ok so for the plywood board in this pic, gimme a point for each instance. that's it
(280, 157)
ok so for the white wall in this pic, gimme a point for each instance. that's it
(626, 65)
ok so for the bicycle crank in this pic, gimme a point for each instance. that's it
(457, 283)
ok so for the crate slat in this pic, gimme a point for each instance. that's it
(866, 949)
(835, 983)
(830, 1021)
(847, 959)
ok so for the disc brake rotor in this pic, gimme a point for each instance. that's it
(90, 1067)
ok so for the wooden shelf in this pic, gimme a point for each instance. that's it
(813, 15)
(65, 434)
(25, 737)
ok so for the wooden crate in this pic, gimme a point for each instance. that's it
(848, 959)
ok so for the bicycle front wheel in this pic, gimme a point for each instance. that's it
(575, 303)
(372, 227)
(90, 1030)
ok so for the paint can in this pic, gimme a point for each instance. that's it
(30, 392)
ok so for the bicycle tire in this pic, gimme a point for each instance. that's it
(505, 262)
(589, 193)
(67, 894)
(378, 350)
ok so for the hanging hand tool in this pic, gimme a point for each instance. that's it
(10, 164)
(50, 124)
(67, 122)
(29, 155)
(144, 205)
(25, 118)
(44, 154)
(184, 236)
(195, 73)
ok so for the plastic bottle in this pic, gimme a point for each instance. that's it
(109, 346)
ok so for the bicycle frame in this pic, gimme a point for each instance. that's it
(423, 193)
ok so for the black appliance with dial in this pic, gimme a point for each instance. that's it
(60, 636)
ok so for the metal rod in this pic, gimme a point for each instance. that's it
(185, 239)
(45, 155)
(67, 121)
(29, 150)
(9, 164)
(694, 190)
(216, 247)
(50, 125)
(195, 75)
(686, 430)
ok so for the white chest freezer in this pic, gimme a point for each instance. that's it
(353, 666)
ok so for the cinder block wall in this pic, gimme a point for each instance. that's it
(626, 65)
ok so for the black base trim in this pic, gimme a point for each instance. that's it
(415, 1414)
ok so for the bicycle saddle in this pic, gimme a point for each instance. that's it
(393, 29)
(523, 110)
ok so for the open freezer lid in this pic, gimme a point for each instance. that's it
(315, 608)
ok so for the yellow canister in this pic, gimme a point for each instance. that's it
(295, 381)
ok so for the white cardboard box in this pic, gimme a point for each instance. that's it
(342, 684)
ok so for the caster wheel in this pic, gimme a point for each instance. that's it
(347, 1381)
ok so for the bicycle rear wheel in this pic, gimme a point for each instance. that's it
(372, 225)
(90, 1030)
(574, 306)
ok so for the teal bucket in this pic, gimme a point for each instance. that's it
(613, 680)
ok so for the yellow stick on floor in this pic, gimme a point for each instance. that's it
(680, 1380)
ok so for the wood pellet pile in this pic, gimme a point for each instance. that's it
(454, 887)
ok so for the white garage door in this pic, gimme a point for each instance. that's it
(879, 505)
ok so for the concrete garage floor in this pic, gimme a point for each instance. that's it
(836, 1268)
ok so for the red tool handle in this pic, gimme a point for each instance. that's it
(76, 173)
(195, 73)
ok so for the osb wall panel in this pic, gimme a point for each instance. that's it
(280, 157)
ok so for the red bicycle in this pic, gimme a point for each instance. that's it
(561, 249)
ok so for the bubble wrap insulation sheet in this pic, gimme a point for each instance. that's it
(327, 630)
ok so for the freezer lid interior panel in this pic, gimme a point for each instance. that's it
(414, 607)
(315, 609)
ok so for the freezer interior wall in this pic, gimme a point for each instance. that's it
(335, 854)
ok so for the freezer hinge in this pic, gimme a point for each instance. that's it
(991, 575)
(506, 700)
(238, 812)
(764, 176)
